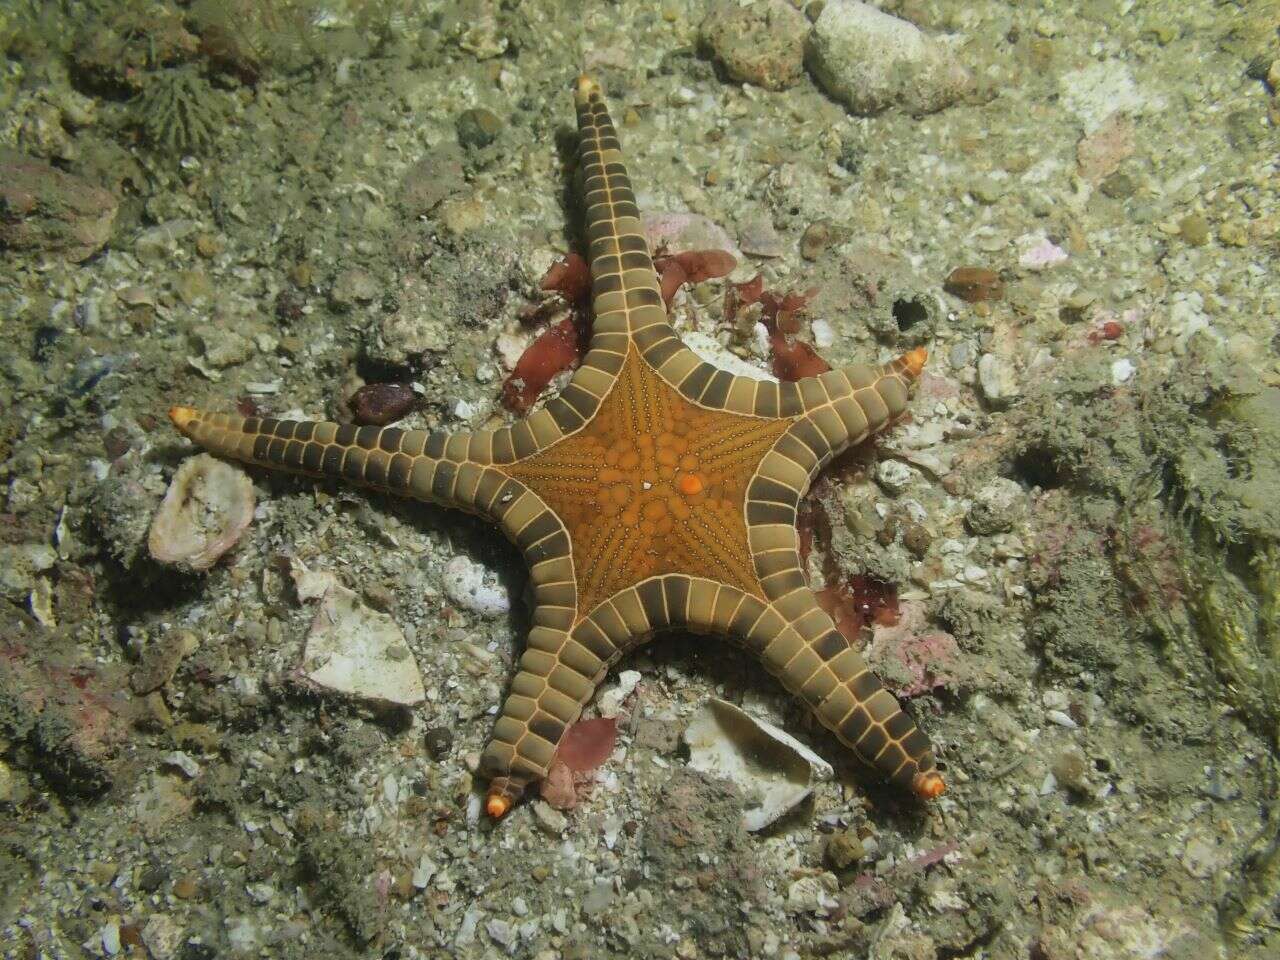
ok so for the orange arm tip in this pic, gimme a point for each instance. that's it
(497, 806)
(181, 416)
(929, 786)
(915, 361)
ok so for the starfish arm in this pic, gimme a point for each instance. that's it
(460, 470)
(559, 672)
(799, 644)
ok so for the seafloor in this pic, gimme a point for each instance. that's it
(263, 205)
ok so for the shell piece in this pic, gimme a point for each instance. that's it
(207, 507)
(361, 652)
(774, 770)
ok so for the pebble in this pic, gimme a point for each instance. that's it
(758, 238)
(1194, 229)
(207, 507)
(439, 742)
(1071, 769)
(973, 284)
(549, 819)
(472, 586)
(871, 61)
(894, 476)
(354, 286)
(1122, 371)
(761, 43)
(378, 404)
(997, 380)
(844, 849)
(996, 507)
(478, 127)
(817, 237)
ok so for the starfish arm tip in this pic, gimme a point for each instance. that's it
(929, 785)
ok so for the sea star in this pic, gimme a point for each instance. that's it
(655, 491)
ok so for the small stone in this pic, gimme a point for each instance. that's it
(916, 539)
(549, 819)
(758, 238)
(207, 507)
(439, 742)
(996, 507)
(871, 61)
(1071, 769)
(378, 404)
(997, 380)
(225, 348)
(192, 285)
(478, 127)
(973, 284)
(599, 898)
(1118, 186)
(474, 587)
(208, 245)
(894, 476)
(1194, 229)
(761, 43)
(186, 887)
(354, 286)
(817, 238)
(844, 849)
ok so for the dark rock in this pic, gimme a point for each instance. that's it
(44, 209)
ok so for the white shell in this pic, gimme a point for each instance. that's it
(774, 770)
(207, 507)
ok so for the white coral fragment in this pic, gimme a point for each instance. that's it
(773, 769)
(207, 507)
(355, 650)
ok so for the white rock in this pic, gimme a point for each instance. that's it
(163, 936)
(310, 584)
(502, 933)
(1122, 370)
(894, 476)
(773, 768)
(355, 650)
(423, 873)
(998, 381)
(184, 762)
(870, 61)
(1095, 92)
(208, 505)
(609, 703)
(475, 587)
(550, 819)
(812, 894)
(110, 937)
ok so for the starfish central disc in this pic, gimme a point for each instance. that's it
(652, 485)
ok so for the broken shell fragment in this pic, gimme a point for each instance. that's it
(773, 769)
(356, 650)
(207, 507)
